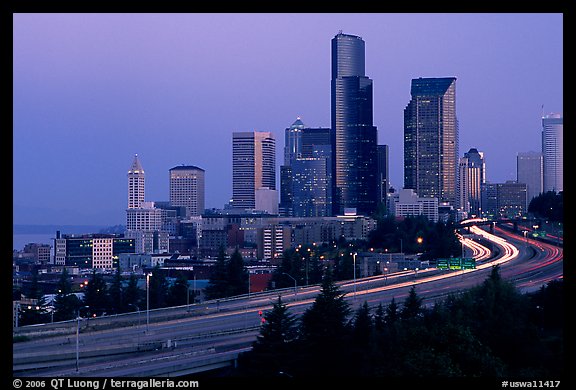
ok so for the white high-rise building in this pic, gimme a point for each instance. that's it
(553, 152)
(406, 202)
(136, 188)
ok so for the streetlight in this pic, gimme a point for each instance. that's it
(78, 335)
(525, 232)
(354, 257)
(138, 333)
(148, 300)
(295, 291)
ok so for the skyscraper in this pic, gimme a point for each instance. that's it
(553, 152)
(253, 167)
(470, 179)
(136, 181)
(431, 139)
(383, 174)
(187, 189)
(529, 171)
(354, 138)
(305, 177)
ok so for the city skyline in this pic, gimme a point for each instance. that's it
(87, 99)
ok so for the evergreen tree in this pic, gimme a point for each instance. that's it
(116, 297)
(218, 283)
(96, 294)
(34, 291)
(132, 294)
(326, 319)
(179, 292)
(315, 270)
(278, 330)
(392, 312)
(272, 352)
(379, 318)
(66, 303)
(158, 288)
(237, 275)
(363, 326)
(412, 306)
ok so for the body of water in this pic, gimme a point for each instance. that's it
(20, 240)
(45, 234)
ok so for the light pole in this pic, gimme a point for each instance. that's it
(525, 232)
(78, 336)
(138, 333)
(147, 300)
(354, 257)
(295, 291)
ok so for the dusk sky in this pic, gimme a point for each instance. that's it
(92, 90)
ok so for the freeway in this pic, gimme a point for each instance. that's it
(201, 337)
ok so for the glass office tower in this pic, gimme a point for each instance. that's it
(431, 139)
(354, 137)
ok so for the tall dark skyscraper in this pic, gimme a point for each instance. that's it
(354, 137)
(431, 139)
(383, 173)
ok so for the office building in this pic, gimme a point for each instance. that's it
(406, 203)
(472, 174)
(354, 138)
(253, 166)
(305, 177)
(383, 173)
(91, 250)
(529, 170)
(431, 139)
(187, 189)
(504, 200)
(136, 181)
(553, 152)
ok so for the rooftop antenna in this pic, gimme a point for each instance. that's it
(542, 110)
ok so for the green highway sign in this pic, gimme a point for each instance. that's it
(456, 263)
(468, 263)
(442, 263)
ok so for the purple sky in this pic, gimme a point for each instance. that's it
(91, 90)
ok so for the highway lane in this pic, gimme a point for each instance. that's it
(234, 324)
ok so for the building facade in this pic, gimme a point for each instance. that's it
(431, 139)
(91, 250)
(406, 203)
(187, 188)
(305, 177)
(354, 138)
(136, 184)
(471, 176)
(253, 166)
(553, 152)
(504, 200)
(529, 170)
(383, 173)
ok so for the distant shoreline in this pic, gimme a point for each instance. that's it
(51, 229)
